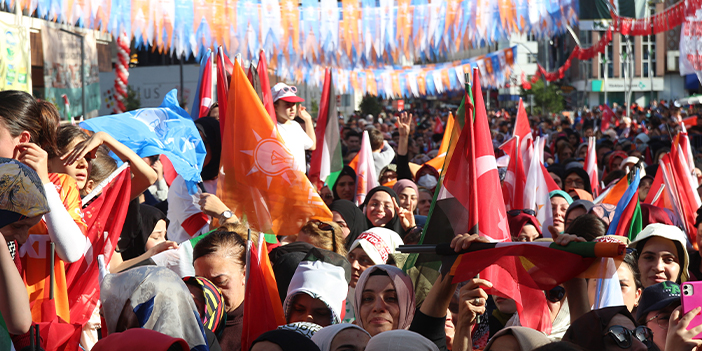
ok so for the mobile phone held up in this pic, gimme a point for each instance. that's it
(691, 299)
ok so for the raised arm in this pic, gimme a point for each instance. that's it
(403, 170)
(142, 174)
(68, 235)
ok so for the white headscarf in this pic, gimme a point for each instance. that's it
(378, 243)
(324, 337)
(400, 340)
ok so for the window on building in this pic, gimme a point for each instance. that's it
(626, 56)
(531, 58)
(607, 61)
(648, 50)
(585, 38)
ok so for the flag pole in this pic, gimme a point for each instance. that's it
(248, 255)
(51, 271)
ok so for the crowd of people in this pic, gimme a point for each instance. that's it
(177, 279)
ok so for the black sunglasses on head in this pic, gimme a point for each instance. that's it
(622, 336)
(517, 212)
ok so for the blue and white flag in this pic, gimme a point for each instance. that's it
(419, 25)
(309, 28)
(370, 27)
(166, 130)
(183, 35)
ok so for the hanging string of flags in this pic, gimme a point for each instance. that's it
(413, 81)
(658, 23)
(349, 33)
(664, 21)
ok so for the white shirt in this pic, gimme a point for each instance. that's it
(182, 205)
(297, 141)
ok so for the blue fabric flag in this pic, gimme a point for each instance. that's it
(166, 130)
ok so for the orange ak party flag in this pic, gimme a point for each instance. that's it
(260, 183)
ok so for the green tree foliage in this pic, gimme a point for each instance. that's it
(549, 97)
(133, 102)
(370, 106)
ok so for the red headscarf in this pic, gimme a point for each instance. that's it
(516, 223)
(139, 339)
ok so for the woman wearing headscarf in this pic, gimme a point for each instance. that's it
(576, 178)
(384, 300)
(527, 339)
(317, 289)
(143, 235)
(382, 209)
(577, 209)
(285, 340)
(188, 214)
(609, 328)
(523, 226)
(333, 337)
(661, 254)
(374, 246)
(615, 160)
(400, 340)
(345, 185)
(22, 204)
(350, 218)
(560, 201)
(210, 305)
(408, 194)
(151, 298)
(556, 173)
(140, 339)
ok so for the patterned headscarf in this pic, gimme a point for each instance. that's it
(160, 300)
(214, 318)
(307, 329)
(21, 192)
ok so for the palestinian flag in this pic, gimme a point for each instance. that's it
(472, 174)
(326, 163)
(424, 269)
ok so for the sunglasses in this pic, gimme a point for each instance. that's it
(290, 89)
(556, 294)
(622, 336)
(327, 228)
(517, 212)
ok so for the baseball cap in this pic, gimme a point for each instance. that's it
(282, 91)
(657, 297)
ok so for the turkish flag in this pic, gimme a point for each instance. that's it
(472, 175)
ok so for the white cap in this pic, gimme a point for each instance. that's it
(282, 91)
(378, 243)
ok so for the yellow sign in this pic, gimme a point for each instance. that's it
(15, 60)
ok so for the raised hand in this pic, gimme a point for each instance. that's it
(35, 157)
(404, 123)
(405, 216)
(88, 146)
